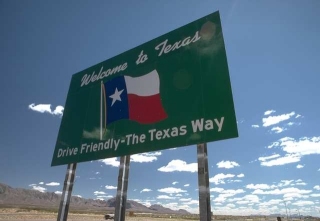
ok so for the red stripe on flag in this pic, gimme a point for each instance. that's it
(146, 110)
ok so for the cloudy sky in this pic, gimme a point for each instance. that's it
(273, 56)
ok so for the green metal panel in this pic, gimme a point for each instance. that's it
(195, 93)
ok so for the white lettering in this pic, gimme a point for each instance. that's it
(197, 125)
(185, 41)
(183, 130)
(141, 58)
(208, 125)
(162, 43)
(219, 124)
(174, 132)
(200, 124)
(164, 48)
(116, 144)
(67, 152)
(87, 78)
(151, 133)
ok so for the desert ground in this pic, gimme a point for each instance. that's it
(15, 214)
(18, 214)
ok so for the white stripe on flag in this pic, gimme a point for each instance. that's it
(146, 85)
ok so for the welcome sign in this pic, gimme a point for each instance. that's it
(169, 92)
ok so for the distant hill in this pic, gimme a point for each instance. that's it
(160, 208)
(31, 198)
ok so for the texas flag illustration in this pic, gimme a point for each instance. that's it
(134, 98)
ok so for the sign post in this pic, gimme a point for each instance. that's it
(203, 183)
(121, 198)
(67, 191)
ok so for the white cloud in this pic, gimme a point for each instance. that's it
(185, 199)
(99, 193)
(245, 199)
(97, 173)
(147, 203)
(110, 187)
(240, 175)
(179, 165)
(234, 181)
(33, 184)
(165, 197)
(195, 202)
(278, 130)
(174, 183)
(103, 196)
(301, 184)
(255, 126)
(260, 186)
(271, 120)
(282, 160)
(46, 108)
(303, 203)
(299, 166)
(231, 205)
(77, 196)
(145, 157)
(317, 187)
(171, 190)
(240, 121)
(268, 112)
(216, 189)
(186, 185)
(41, 183)
(281, 191)
(111, 161)
(145, 190)
(58, 192)
(227, 164)
(53, 184)
(315, 195)
(58, 111)
(271, 202)
(219, 178)
(303, 146)
(292, 196)
(285, 183)
(294, 149)
(293, 123)
(225, 193)
(268, 157)
(39, 188)
(274, 144)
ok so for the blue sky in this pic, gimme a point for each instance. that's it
(273, 56)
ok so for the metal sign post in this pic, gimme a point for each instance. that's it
(203, 183)
(67, 190)
(121, 199)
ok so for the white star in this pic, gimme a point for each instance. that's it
(116, 96)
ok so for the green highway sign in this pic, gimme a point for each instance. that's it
(169, 92)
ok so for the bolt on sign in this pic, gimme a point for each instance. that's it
(170, 92)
